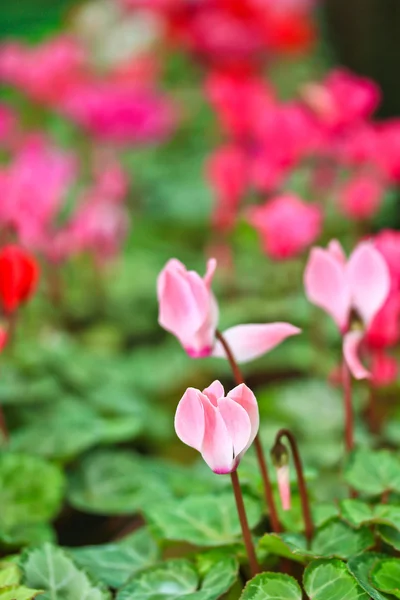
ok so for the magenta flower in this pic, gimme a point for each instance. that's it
(221, 427)
(347, 289)
(361, 196)
(188, 310)
(286, 225)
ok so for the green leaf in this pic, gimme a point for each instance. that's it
(209, 520)
(18, 593)
(336, 539)
(287, 545)
(31, 491)
(114, 564)
(359, 513)
(25, 534)
(331, 580)
(49, 568)
(385, 575)
(173, 579)
(373, 472)
(390, 535)
(360, 567)
(115, 482)
(180, 578)
(272, 586)
(9, 574)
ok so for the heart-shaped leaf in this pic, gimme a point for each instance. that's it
(181, 579)
(331, 580)
(114, 564)
(360, 566)
(272, 586)
(31, 492)
(51, 569)
(373, 472)
(390, 535)
(209, 520)
(359, 513)
(385, 575)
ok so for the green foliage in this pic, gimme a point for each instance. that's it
(385, 575)
(272, 586)
(373, 472)
(331, 580)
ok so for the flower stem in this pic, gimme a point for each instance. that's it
(269, 496)
(348, 408)
(305, 504)
(248, 542)
(372, 412)
(3, 425)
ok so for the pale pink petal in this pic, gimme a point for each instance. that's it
(326, 285)
(369, 278)
(336, 250)
(245, 397)
(237, 422)
(283, 478)
(211, 267)
(214, 392)
(184, 301)
(189, 419)
(217, 447)
(351, 348)
(251, 341)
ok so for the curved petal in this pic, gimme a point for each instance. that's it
(190, 420)
(326, 285)
(245, 397)
(182, 301)
(251, 341)
(351, 347)
(217, 447)
(369, 278)
(214, 392)
(211, 267)
(237, 422)
(336, 250)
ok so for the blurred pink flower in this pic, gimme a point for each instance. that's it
(343, 99)
(384, 369)
(387, 241)
(286, 225)
(188, 310)
(220, 427)
(227, 172)
(8, 123)
(43, 72)
(361, 196)
(119, 113)
(384, 329)
(283, 478)
(33, 187)
(343, 288)
(387, 144)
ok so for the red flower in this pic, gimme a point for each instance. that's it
(19, 273)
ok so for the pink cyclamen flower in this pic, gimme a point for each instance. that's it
(221, 427)
(188, 310)
(358, 286)
(361, 196)
(283, 479)
(287, 225)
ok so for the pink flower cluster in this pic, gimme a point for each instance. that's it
(35, 187)
(235, 33)
(111, 107)
(326, 137)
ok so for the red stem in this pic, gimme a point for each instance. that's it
(248, 542)
(269, 496)
(348, 408)
(305, 504)
(3, 425)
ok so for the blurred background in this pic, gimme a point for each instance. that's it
(133, 131)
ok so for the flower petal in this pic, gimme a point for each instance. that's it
(211, 267)
(245, 397)
(326, 285)
(214, 392)
(217, 447)
(190, 420)
(369, 278)
(336, 250)
(237, 422)
(351, 346)
(251, 341)
(283, 479)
